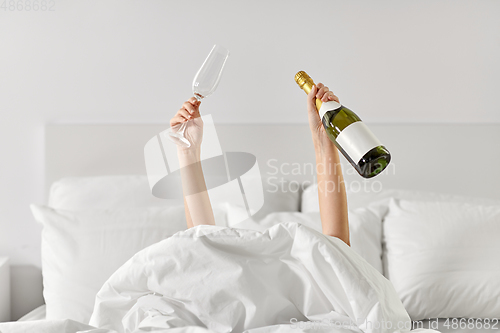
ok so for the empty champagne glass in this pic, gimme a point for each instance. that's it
(204, 84)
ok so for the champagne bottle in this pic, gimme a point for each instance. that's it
(351, 136)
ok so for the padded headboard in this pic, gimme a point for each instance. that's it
(447, 158)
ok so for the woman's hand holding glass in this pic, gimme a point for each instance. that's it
(190, 110)
(196, 200)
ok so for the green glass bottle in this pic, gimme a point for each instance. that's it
(351, 136)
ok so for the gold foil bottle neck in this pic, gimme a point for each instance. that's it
(306, 83)
(303, 80)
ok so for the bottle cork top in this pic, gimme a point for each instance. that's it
(306, 83)
(302, 78)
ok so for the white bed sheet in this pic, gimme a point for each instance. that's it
(38, 324)
(36, 314)
(219, 279)
(287, 278)
(126, 284)
(444, 325)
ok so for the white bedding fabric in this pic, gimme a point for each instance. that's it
(228, 279)
(220, 279)
(444, 325)
(365, 228)
(38, 313)
(81, 249)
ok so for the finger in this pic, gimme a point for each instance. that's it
(334, 98)
(321, 92)
(177, 119)
(189, 107)
(193, 100)
(311, 98)
(183, 112)
(196, 103)
(328, 96)
(196, 113)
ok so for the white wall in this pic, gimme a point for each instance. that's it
(133, 61)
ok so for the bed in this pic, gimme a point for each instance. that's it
(428, 224)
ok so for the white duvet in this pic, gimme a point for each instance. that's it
(289, 278)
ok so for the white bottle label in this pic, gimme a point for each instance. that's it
(357, 139)
(328, 106)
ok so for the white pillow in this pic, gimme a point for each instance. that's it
(277, 198)
(283, 198)
(81, 249)
(368, 195)
(104, 192)
(129, 191)
(365, 227)
(442, 258)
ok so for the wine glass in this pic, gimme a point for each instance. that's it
(204, 84)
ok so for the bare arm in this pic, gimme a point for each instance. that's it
(331, 187)
(196, 200)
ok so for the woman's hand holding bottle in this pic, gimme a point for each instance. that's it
(320, 138)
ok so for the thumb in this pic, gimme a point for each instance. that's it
(311, 99)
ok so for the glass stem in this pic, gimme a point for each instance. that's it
(182, 129)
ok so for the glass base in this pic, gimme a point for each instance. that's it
(176, 135)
